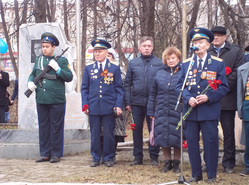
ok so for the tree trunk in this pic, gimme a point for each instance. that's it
(84, 33)
(24, 12)
(121, 55)
(65, 19)
(40, 11)
(193, 19)
(147, 18)
(6, 33)
(17, 23)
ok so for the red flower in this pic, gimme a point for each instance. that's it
(213, 84)
(184, 144)
(132, 126)
(228, 70)
(85, 108)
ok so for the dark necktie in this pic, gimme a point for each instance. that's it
(100, 68)
(199, 69)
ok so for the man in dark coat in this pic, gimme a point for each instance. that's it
(203, 70)
(233, 58)
(138, 82)
(102, 93)
(4, 83)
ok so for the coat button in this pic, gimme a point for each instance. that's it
(44, 89)
(168, 84)
(198, 92)
(101, 82)
(198, 86)
(100, 96)
(100, 91)
(100, 86)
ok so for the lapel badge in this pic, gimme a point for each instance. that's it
(96, 70)
(209, 61)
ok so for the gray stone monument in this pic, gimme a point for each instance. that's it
(25, 139)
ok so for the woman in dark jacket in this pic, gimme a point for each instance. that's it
(161, 107)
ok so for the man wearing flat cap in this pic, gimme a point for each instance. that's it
(233, 58)
(50, 99)
(102, 93)
(203, 69)
(246, 55)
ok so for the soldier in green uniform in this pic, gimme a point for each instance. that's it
(50, 99)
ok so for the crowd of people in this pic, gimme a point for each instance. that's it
(213, 83)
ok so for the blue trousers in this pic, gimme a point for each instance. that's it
(139, 113)
(209, 130)
(108, 123)
(51, 129)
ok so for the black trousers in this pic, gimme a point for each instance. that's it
(51, 129)
(2, 114)
(227, 122)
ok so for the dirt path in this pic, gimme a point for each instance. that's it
(75, 169)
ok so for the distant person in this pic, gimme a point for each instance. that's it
(15, 92)
(4, 83)
(120, 121)
(7, 114)
(204, 116)
(233, 57)
(246, 55)
(161, 107)
(50, 99)
(138, 81)
(102, 95)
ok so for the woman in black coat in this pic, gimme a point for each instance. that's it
(161, 107)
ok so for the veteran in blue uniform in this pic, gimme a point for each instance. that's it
(206, 107)
(102, 92)
(50, 99)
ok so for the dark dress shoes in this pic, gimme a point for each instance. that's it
(94, 164)
(54, 159)
(211, 180)
(42, 159)
(194, 179)
(228, 170)
(109, 163)
(136, 162)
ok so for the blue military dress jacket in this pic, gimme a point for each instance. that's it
(102, 92)
(214, 68)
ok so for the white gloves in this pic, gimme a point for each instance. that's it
(54, 65)
(31, 86)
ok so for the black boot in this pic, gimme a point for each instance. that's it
(167, 166)
(176, 166)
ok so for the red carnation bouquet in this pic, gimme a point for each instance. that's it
(211, 85)
(85, 108)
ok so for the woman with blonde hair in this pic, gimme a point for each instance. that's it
(161, 108)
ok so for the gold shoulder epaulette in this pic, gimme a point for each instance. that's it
(90, 63)
(216, 58)
(187, 60)
(115, 62)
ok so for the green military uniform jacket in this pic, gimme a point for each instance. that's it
(52, 91)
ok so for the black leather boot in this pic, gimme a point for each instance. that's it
(167, 166)
(176, 166)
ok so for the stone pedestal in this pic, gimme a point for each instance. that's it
(23, 143)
